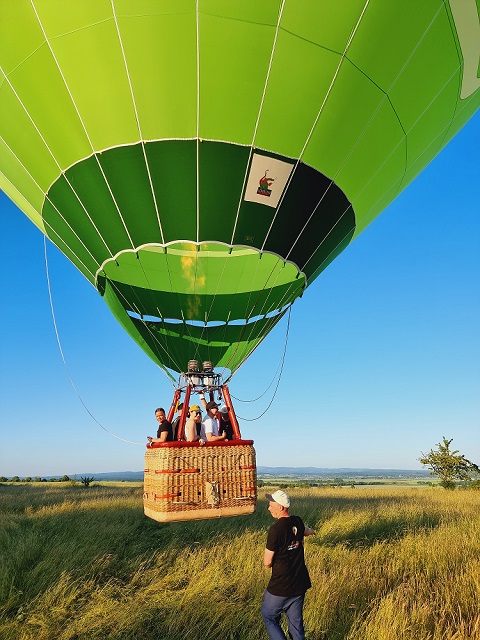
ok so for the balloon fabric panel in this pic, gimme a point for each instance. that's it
(202, 162)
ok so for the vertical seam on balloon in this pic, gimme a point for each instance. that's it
(270, 64)
(366, 127)
(259, 312)
(327, 95)
(81, 121)
(254, 308)
(274, 44)
(56, 162)
(197, 36)
(279, 306)
(249, 312)
(155, 338)
(400, 179)
(171, 352)
(46, 197)
(53, 231)
(88, 138)
(52, 240)
(171, 284)
(137, 118)
(414, 124)
(274, 318)
(195, 292)
(119, 294)
(253, 282)
(207, 315)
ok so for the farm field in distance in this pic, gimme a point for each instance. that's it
(387, 563)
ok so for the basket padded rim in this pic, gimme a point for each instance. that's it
(198, 514)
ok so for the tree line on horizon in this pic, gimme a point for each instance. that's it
(450, 467)
(85, 480)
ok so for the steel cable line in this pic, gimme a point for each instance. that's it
(279, 378)
(63, 355)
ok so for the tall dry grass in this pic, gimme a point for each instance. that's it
(386, 564)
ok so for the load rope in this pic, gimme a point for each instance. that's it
(279, 377)
(63, 356)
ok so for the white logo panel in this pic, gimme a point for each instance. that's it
(267, 180)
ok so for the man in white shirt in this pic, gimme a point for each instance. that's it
(211, 425)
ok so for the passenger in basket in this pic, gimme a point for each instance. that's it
(194, 419)
(176, 422)
(225, 422)
(164, 431)
(211, 425)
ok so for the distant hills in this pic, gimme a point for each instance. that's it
(341, 472)
(280, 472)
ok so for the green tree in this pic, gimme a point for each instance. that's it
(87, 480)
(449, 465)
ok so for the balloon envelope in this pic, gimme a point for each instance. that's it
(202, 163)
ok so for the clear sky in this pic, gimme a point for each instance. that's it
(383, 354)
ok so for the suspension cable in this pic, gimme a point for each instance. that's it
(63, 356)
(279, 377)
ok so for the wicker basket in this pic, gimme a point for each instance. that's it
(186, 481)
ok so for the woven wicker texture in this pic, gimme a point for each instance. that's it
(194, 482)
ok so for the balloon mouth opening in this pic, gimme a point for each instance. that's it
(210, 323)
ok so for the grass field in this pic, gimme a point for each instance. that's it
(386, 564)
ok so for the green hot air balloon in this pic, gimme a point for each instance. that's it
(202, 162)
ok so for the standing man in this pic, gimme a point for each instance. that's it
(176, 422)
(211, 425)
(225, 423)
(164, 431)
(285, 592)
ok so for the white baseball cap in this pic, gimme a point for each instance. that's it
(280, 497)
(224, 409)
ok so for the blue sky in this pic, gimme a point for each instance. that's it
(383, 355)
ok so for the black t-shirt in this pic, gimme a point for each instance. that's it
(289, 572)
(165, 426)
(175, 424)
(226, 425)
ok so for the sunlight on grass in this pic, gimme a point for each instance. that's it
(386, 564)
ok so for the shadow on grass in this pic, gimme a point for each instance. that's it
(358, 520)
(102, 533)
(99, 532)
(380, 529)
